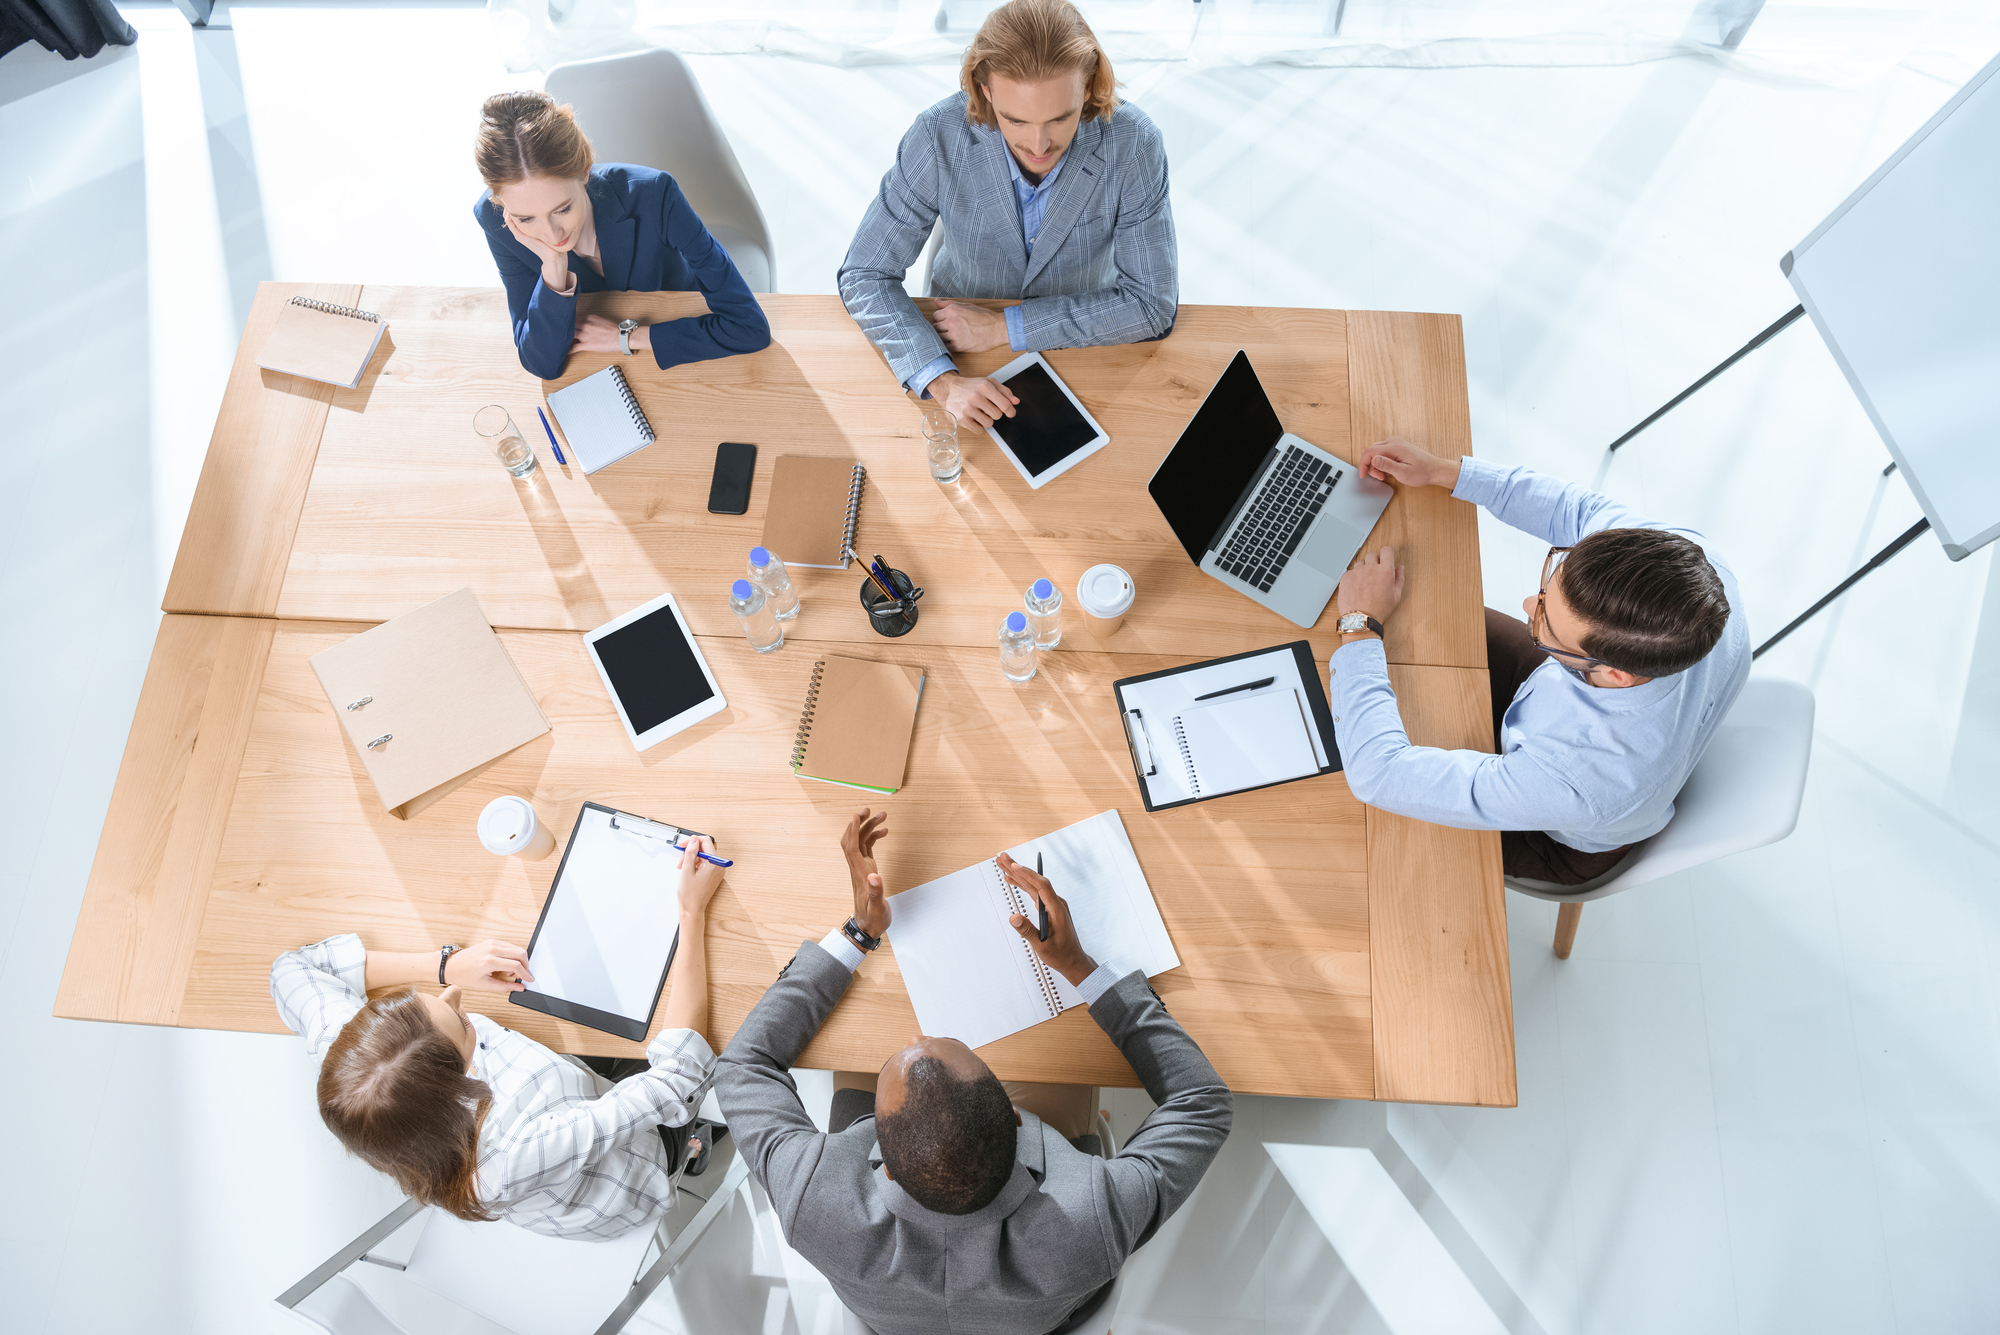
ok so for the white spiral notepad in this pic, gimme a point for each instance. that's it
(601, 419)
(970, 975)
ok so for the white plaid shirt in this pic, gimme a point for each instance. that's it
(562, 1152)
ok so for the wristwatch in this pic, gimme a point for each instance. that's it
(625, 328)
(444, 953)
(1351, 622)
(852, 931)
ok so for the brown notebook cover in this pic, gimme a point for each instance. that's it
(439, 685)
(857, 723)
(814, 503)
(321, 341)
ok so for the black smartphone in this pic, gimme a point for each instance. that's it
(729, 489)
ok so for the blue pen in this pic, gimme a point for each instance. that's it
(558, 449)
(720, 862)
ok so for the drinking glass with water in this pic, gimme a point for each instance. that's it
(497, 428)
(941, 445)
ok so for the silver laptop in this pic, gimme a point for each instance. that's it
(1272, 516)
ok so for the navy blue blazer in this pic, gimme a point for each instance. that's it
(649, 240)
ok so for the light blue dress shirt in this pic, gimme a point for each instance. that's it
(1033, 201)
(1595, 768)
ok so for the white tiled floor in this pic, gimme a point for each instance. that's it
(1763, 1096)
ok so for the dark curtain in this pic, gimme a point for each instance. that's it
(71, 28)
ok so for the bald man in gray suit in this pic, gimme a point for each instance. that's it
(945, 1207)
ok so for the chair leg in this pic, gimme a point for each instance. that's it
(1567, 917)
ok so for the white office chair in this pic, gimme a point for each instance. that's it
(1100, 1320)
(520, 1281)
(647, 109)
(922, 273)
(1744, 793)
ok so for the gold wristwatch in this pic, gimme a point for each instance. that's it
(1354, 622)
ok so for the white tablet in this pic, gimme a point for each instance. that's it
(1050, 431)
(658, 680)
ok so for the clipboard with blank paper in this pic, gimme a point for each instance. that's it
(610, 925)
(1186, 749)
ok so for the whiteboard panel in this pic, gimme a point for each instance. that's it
(1903, 282)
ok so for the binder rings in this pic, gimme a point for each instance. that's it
(1187, 750)
(813, 509)
(601, 419)
(855, 729)
(428, 700)
(321, 341)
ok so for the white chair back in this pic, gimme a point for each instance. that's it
(1744, 793)
(647, 109)
(522, 1281)
(340, 1307)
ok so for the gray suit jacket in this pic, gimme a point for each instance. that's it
(1059, 1230)
(1105, 267)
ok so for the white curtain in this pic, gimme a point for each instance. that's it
(1831, 41)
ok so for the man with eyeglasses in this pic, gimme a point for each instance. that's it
(1634, 648)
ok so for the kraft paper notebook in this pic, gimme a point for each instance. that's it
(321, 341)
(970, 975)
(813, 508)
(855, 729)
(428, 700)
(601, 419)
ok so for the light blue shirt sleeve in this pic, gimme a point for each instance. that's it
(919, 384)
(1560, 513)
(1017, 337)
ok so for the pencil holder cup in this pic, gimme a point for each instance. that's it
(885, 615)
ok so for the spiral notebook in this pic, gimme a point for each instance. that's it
(321, 341)
(1245, 741)
(970, 974)
(601, 419)
(813, 508)
(855, 729)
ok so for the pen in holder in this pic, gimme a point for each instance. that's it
(891, 616)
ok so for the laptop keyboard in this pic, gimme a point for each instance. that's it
(1277, 519)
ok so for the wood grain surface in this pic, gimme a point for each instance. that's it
(1265, 894)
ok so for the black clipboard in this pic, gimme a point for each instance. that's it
(575, 1012)
(1315, 695)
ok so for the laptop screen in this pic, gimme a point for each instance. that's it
(1202, 477)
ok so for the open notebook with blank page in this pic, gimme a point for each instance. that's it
(972, 977)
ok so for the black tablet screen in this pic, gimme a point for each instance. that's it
(1046, 428)
(653, 669)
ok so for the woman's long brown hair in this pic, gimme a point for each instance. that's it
(394, 1091)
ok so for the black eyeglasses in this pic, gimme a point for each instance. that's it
(1549, 565)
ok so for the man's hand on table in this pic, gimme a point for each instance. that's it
(1373, 586)
(969, 328)
(1062, 952)
(978, 402)
(857, 844)
(1413, 467)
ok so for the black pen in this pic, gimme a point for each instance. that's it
(1246, 686)
(1039, 900)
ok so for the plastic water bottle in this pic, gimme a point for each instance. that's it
(1045, 613)
(754, 614)
(1017, 648)
(767, 572)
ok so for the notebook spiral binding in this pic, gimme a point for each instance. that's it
(1050, 998)
(853, 516)
(1187, 755)
(632, 405)
(804, 734)
(328, 308)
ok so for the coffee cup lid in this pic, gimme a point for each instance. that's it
(506, 826)
(1105, 591)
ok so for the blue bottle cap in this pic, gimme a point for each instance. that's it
(1016, 622)
(1043, 588)
(759, 556)
(741, 588)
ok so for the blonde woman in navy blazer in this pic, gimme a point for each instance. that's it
(560, 225)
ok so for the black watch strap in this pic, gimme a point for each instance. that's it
(444, 953)
(852, 931)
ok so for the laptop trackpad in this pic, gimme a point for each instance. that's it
(1330, 546)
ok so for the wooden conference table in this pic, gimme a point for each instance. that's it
(1327, 949)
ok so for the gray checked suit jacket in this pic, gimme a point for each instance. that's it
(1059, 1230)
(1105, 267)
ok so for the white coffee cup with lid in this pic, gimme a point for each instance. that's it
(1105, 594)
(508, 827)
